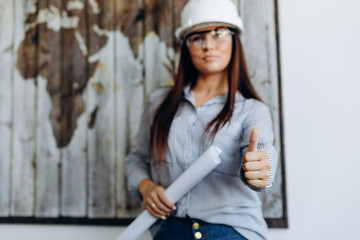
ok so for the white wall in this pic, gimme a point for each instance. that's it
(321, 88)
(320, 57)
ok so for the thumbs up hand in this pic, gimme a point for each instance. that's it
(256, 163)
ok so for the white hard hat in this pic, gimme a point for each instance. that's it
(203, 13)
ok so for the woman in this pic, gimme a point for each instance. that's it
(212, 102)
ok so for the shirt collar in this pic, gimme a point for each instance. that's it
(189, 96)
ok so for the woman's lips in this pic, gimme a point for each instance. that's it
(210, 58)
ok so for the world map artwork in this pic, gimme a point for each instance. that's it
(63, 39)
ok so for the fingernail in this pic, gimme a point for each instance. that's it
(163, 217)
(174, 207)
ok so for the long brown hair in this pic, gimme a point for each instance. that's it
(238, 80)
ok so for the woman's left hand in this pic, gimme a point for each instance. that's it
(256, 163)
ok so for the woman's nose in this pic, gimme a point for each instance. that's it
(208, 42)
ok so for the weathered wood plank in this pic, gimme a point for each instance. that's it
(47, 157)
(272, 208)
(102, 132)
(255, 42)
(129, 96)
(178, 7)
(47, 153)
(158, 43)
(74, 77)
(6, 103)
(121, 102)
(74, 171)
(23, 174)
(135, 105)
(273, 69)
(74, 155)
(260, 48)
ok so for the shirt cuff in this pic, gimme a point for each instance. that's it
(270, 150)
(133, 182)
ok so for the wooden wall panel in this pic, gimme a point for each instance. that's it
(74, 155)
(102, 134)
(158, 44)
(48, 50)
(24, 124)
(129, 95)
(47, 157)
(6, 101)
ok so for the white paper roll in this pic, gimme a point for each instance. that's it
(197, 171)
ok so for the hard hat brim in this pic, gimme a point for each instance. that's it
(181, 33)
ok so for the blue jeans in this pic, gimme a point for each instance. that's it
(192, 229)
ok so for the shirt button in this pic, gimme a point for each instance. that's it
(196, 226)
(198, 235)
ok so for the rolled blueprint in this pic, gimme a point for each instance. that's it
(183, 184)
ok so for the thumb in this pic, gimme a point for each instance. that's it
(254, 139)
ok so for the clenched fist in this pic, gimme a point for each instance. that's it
(256, 163)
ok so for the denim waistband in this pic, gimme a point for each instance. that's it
(175, 228)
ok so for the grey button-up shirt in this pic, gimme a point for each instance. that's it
(222, 197)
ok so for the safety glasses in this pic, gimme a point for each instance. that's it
(218, 36)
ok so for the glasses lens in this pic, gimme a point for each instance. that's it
(196, 40)
(221, 34)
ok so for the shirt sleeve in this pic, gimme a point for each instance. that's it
(258, 116)
(137, 166)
